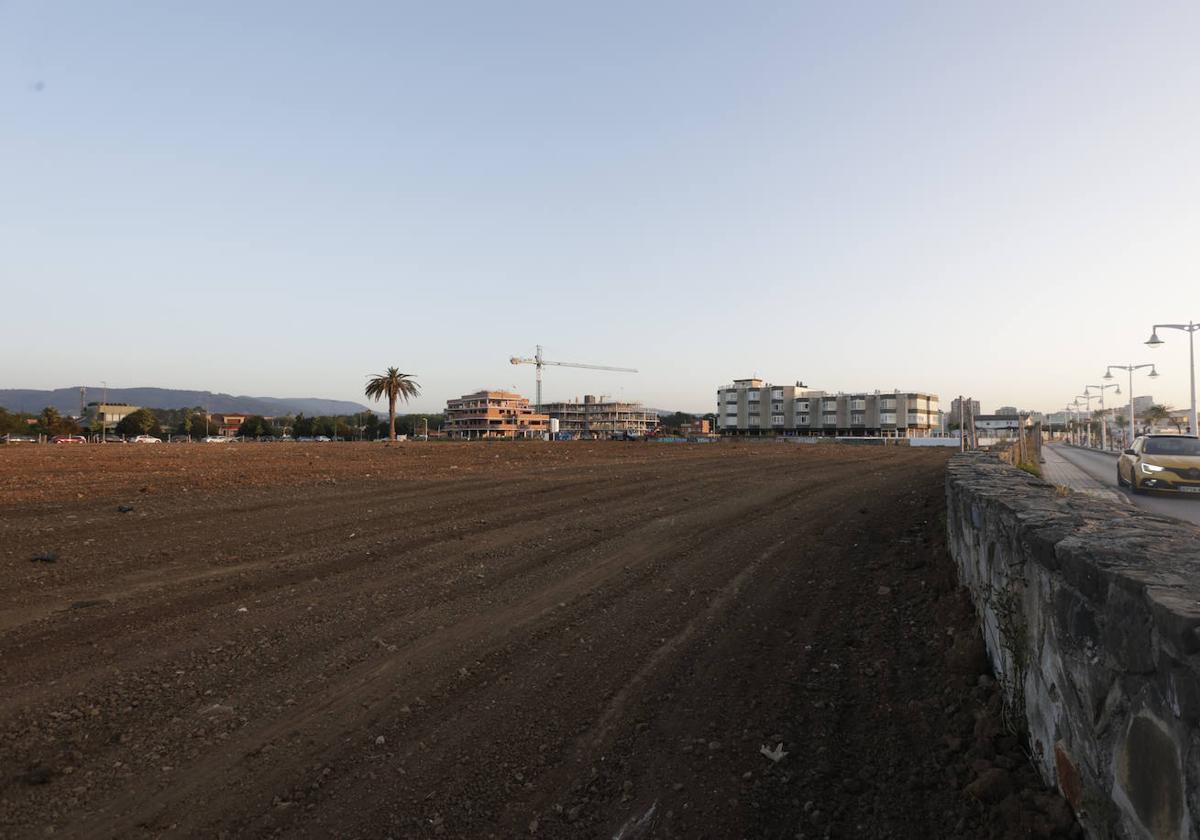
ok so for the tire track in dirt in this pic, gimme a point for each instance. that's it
(349, 701)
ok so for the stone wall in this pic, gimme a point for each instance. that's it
(1091, 616)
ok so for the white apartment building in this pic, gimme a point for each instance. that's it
(998, 425)
(754, 407)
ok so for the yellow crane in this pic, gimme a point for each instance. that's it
(539, 362)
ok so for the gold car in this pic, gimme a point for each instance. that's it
(1161, 462)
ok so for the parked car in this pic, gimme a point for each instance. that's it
(321, 439)
(216, 439)
(1161, 462)
(147, 439)
(68, 439)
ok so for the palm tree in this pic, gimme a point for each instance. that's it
(1094, 423)
(1122, 423)
(50, 419)
(393, 385)
(1178, 421)
(1156, 414)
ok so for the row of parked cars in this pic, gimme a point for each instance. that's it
(81, 439)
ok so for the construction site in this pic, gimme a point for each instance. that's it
(498, 414)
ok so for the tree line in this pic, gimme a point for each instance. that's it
(195, 423)
(47, 422)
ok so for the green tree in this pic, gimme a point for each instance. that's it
(676, 420)
(194, 423)
(417, 424)
(140, 422)
(372, 425)
(12, 422)
(256, 426)
(302, 426)
(394, 385)
(49, 421)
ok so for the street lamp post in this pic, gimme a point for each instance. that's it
(1069, 432)
(1130, 369)
(1087, 417)
(1073, 407)
(1190, 329)
(1103, 420)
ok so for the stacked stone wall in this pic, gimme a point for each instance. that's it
(1091, 616)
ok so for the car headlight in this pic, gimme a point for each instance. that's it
(1150, 468)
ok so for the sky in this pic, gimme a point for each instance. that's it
(279, 198)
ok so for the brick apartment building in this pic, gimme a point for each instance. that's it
(754, 407)
(596, 417)
(486, 415)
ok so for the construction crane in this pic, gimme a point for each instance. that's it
(540, 363)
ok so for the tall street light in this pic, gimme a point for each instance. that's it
(1131, 369)
(1087, 415)
(1190, 329)
(1068, 410)
(1074, 406)
(1103, 420)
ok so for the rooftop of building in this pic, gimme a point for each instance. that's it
(489, 394)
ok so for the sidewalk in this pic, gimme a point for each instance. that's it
(1058, 470)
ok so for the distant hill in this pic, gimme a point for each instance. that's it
(66, 400)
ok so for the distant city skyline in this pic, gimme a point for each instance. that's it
(280, 199)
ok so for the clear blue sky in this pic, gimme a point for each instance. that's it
(277, 198)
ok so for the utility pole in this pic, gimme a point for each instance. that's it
(962, 426)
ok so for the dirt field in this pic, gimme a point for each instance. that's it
(576, 640)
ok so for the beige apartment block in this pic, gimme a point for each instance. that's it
(493, 414)
(109, 414)
(754, 407)
(600, 418)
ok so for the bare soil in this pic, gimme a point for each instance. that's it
(494, 640)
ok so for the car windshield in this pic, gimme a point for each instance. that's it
(1173, 446)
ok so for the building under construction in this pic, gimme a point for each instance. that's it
(493, 414)
(601, 419)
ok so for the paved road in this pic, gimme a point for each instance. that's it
(1103, 468)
